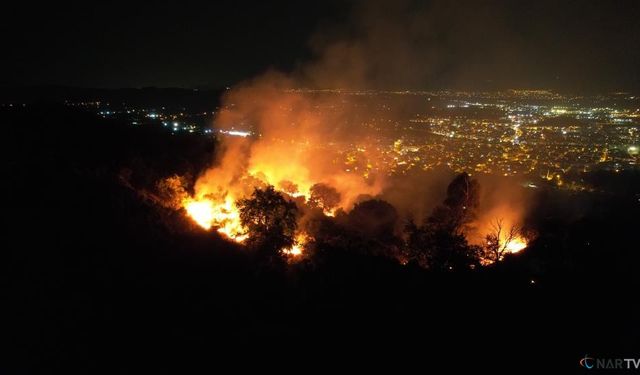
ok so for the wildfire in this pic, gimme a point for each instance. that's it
(296, 194)
(516, 245)
(298, 246)
(294, 250)
(330, 213)
(224, 216)
(201, 212)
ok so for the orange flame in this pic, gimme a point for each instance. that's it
(330, 213)
(297, 249)
(201, 212)
(516, 245)
(224, 216)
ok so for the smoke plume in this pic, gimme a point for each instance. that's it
(302, 137)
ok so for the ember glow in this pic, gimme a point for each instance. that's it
(330, 213)
(298, 246)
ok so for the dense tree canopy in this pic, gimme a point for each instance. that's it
(324, 196)
(270, 219)
(459, 207)
(440, 242)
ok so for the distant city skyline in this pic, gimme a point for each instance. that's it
(534, 135)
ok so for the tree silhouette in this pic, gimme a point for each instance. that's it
(373, 222)
(459, 207)
(172, 191)
(288, 187)
(324, 196)
(497, 241)
(373, 218)
(440, 242)
(270, 220)
(437, 249)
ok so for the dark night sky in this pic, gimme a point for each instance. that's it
(559, 44)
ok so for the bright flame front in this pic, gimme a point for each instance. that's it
(201, 212)
(516, 245)
(298, 246)
(224, 216)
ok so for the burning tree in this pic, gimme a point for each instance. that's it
(172, 191)
(501, 241)
(270, 219)
(288, 187)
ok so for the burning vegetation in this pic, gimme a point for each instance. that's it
(280, 220)
(283, 182)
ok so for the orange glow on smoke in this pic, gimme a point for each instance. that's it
(276, 135)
